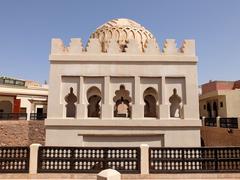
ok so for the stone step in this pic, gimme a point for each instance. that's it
(65, 176)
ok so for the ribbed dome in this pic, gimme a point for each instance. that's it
(122, 30)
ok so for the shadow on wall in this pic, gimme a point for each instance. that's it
(175, 107)
(5, 107)
(71, 99)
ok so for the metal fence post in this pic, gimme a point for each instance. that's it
(33, 164)
(218, 121)
(216, 158)
(144, 158)
(238, 121)
(203, 121)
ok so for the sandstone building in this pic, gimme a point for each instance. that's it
(123, 90)
(220, 98)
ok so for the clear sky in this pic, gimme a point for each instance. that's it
(27, 26)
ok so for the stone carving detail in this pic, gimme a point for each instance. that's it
(57, 47)
(113, 47)
(188, 47)
(170, 47)
(175, 107)
(151, 47)
(71, 99)
(122, 30)
(133, 47)
(76, 46)
(122, 45)
(94, 46)
(122, 101)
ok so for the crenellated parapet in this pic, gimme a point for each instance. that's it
(132, 46)
(152, 47)
(113, 47)
(76, 46)
(188, 47)
(57, 46)
(93, 46)
(170, 47)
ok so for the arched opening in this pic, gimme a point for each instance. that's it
(94, 98)
(215, 109)
(5, 107)
(71, 99)
(122, 101)
(209, 110)
(150, 100)
(175, 107)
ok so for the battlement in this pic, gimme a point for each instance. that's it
(149, 47)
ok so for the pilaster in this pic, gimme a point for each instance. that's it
(33, 162)
(144, 158)
(137, 108)
(191, 103)
(107, 107)
(81, 107)
(163, 107)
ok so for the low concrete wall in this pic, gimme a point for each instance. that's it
(213, 136)
(21, 132)
(25, 133)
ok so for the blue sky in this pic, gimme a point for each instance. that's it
(27, 26)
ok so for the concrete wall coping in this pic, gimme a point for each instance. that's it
(124, 123)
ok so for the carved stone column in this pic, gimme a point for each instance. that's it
(107, 108)
(137, 108)
(81, 106)
(164, 112)
(191, 106)
(56, 108)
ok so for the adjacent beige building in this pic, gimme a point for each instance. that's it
(220, 98)
(122, 90)
(21, 98)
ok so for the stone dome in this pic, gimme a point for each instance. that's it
(122, 30)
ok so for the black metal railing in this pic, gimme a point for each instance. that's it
(194, 160)
(88, 159)
(210, 122)
(14, 159)
(38, 116)
(229, 122)
(13, 116)
(9, 81)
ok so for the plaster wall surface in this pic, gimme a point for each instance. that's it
(186, 73)
(124, 136)
(233, 103)
(228, 102)
(32, 91)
